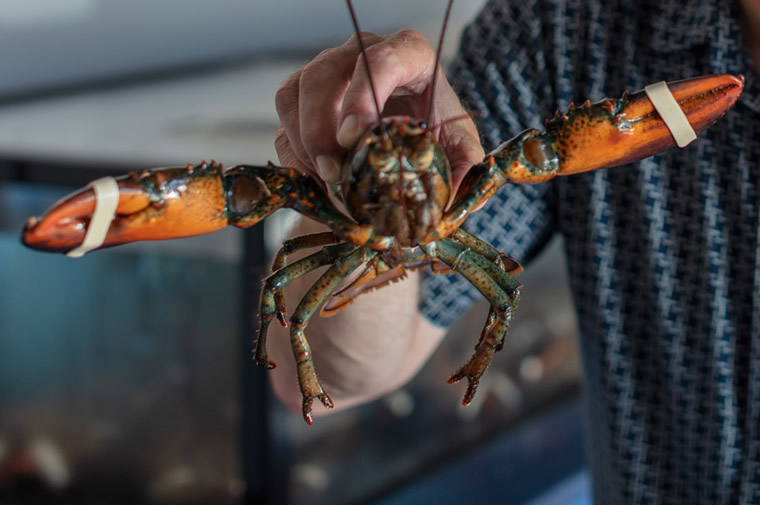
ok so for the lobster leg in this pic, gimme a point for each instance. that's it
(500, 289)
(508, 263)
(314, 297)
(590, 137)
(379, 274)
(288, 247)
(506, 280)
(272, 287)
(504, 261)
(302, 242)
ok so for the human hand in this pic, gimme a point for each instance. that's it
(327, 105)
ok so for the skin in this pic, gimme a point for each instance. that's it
(381, 341)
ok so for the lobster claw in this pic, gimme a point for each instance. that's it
(591, 137)
(153, 205)
(616, 132)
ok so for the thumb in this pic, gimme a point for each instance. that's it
(461, 142)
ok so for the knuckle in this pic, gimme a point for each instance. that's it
(324, 53)
(410, 34)
(280, 136)
(400, 52)
(365, 36)
(413, 38)
(382, 54)
(319, 70)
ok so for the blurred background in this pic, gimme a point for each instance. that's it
(125, 377)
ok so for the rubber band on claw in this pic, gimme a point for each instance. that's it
(671, 113)
(106, 199)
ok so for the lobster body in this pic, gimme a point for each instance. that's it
(398, 180)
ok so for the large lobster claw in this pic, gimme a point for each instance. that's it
(153, 205)
(591, 137)
(616, 132)
(168, 203)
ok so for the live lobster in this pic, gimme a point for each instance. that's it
(396, 187)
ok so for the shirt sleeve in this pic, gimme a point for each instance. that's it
(501, 75)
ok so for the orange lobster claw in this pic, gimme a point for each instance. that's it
(185, 204)
(633, 129)
(590, 137)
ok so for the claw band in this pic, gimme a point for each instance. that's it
(106, 199)
(671, 113)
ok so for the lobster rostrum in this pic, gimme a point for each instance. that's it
(396, 188)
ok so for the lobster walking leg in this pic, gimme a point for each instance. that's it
(272, 286)
(314, 297)
(500, 273)
(500, 289)
(299, 243)
(504, 261)
(280, 260)
(508, 263)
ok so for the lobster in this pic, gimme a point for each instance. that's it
(396, 187)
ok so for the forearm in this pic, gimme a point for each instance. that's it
(372, 347)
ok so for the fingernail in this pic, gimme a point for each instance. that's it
(327, 169)
(349, 132)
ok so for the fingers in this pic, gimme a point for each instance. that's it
(308, 103)
(327, 105)
(401, 64)
(322, 88)
(402, 68)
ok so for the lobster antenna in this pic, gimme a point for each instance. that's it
(429, 113)
(355, 21)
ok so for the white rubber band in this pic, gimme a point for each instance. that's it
(671, 113)
(106, 200)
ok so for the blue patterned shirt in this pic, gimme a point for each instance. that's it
(664, 255)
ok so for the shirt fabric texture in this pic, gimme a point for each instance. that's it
(663, 255)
